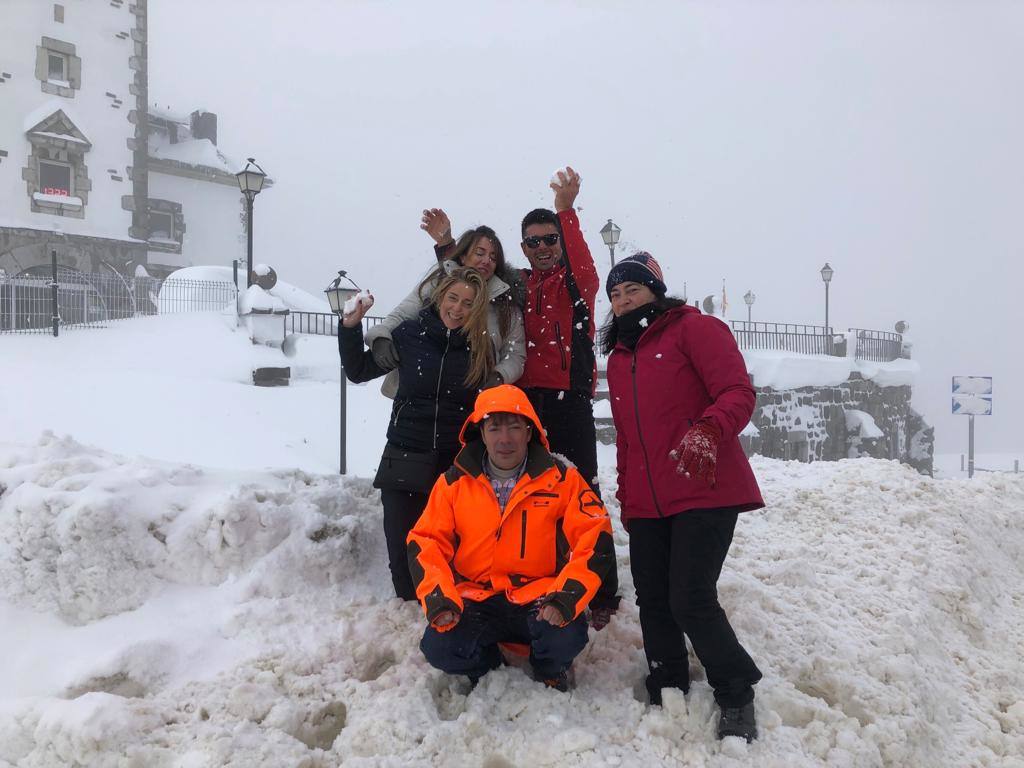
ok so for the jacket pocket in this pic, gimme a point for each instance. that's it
(398, 411)
(522, 539)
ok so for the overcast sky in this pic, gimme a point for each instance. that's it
(744, 141)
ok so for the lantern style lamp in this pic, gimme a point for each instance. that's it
(610, 234)
(749, 297)
(250, 181)
(826, 276)
(338, 294)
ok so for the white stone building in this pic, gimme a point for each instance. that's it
(87, 168)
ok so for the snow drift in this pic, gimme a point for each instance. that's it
(163, 614)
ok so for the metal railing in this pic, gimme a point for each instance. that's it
(878, 346)
(320, 323)
(788, 337)
(90, 299)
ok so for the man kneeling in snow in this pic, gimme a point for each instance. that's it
(511, 547)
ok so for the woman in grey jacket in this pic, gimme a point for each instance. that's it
(478, 249)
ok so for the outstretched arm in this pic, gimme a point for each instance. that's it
(577, 252)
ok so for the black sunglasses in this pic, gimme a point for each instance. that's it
(536, 240)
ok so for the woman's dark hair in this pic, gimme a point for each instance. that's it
(504, 303)
(609, 333)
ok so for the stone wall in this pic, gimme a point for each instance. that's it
(811, 424)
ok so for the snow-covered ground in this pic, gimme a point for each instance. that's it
(185, 581)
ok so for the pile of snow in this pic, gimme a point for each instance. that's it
(291, 297)
(171, 615)
(789, 370)
(161, 612)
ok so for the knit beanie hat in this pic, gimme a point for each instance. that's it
(638, 268)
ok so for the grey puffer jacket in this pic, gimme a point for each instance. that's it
(509, 351)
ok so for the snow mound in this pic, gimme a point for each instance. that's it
(206, 617)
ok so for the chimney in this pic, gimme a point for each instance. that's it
(204, 126)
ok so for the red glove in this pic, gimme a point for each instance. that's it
(697, 452)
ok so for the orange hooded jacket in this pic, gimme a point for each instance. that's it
(553, 541)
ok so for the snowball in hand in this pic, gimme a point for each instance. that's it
(363, 297)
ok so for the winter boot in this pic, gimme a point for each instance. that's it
(738, 721)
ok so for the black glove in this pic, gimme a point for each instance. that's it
(384, 353)
(602, 608)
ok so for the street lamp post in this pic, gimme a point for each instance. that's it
(337, 295)
(250, 181)
(610, 234)
(749, 297)
(826, 276)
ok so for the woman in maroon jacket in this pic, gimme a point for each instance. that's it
(680, 395)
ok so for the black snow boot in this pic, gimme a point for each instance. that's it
(738, 721)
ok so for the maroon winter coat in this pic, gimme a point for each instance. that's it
(685, 367)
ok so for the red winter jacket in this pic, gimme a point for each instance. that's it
(559, 317)
(685, 367)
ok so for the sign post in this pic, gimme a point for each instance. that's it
(972, 396)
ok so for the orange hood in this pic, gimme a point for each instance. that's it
(504, 399)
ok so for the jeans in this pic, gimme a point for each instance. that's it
(471, 648)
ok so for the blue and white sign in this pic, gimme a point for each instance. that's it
(972, 385)
(972, 395)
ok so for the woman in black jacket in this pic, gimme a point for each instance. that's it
(444, 357)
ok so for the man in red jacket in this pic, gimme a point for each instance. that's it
(561, 371)
(561, 286)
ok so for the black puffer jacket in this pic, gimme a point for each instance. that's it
(433, 400)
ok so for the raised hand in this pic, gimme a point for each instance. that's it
(566, 188)
(436, 223)
(355, 308)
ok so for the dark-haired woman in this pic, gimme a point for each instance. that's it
(444, 357)
(680, 395)
(478, 249)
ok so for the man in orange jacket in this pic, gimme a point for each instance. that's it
(512, 546)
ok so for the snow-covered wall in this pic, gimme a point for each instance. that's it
(213, 227)
(101, 36)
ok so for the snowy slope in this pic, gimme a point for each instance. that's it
(164, 613)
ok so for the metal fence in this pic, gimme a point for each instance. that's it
(320, 323)
(804, 339)
(89, 299)
(878, 346)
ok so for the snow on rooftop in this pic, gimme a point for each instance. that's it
(43, 111)
(196, 152)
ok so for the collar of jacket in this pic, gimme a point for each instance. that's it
(495, 285)
(470, 460)
(431, 323)
(662, 319)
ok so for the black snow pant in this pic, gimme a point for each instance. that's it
(676, 562)
(471, 647)
(568, 419)
(401, 511)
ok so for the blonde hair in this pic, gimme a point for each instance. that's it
(481, 350)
